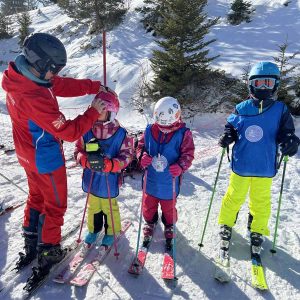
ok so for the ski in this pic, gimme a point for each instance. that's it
(258, 279)
(88, 270)
(68, 272)
(222, 270)
(16, 274)
(32, 286)
(4, 150)
(10, 208)
(167, 271)
(137, 264)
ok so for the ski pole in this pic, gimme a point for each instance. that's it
(104, 56)
(112, 217)
(141, 214)
(212, 196)
(174, 226)
(285, 160)
(86, 202)
(10, 181)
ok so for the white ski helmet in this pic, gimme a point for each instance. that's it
(167, 111)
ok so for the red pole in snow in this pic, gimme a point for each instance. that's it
(104, 57)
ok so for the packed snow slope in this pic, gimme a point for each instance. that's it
(128, 50)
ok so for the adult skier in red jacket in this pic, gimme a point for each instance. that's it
(32, 84)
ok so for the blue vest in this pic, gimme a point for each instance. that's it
(159, 184)
(254, 153)
(111, 148)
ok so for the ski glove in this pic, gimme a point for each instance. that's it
(95, 155)
(290, 145)
(146, 160)
(175, 170)
(228, 137)
(112, 165)
(82, 159)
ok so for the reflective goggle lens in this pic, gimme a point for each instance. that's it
(56, 69)
(268, 83)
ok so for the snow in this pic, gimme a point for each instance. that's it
(128, 51)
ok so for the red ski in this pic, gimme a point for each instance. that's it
(137, 265)
(168, 267)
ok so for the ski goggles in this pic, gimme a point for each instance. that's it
(267, 83)
(55, 69)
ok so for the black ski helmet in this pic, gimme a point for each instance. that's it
(44, 52)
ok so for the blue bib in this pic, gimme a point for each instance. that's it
(254, 153)
(159, 179)
(111, 148)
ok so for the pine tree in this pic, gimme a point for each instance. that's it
(183, 57)
(240, 11)
(24, 22)
(9, 7)
(152, 14)
(103, 14)
(288, 87)
(4, 27)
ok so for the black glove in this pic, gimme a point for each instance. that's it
(228, 137)
(290, 145)
(95, 155)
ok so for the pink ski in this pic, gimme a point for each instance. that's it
(88, 270)
(168, 267)
(66, 274)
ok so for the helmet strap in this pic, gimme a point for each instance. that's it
(42, 75)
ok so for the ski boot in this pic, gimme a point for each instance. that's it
(223, 273)
(48, 256)
(30, 251)
(148, 230)
(89, 240)
(256, 245)
(225, 235)
(169, 235)
(107, 240)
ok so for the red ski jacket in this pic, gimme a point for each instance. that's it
(38, 125)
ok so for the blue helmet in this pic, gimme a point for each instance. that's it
(264, 69)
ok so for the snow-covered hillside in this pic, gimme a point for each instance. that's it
(128, 49)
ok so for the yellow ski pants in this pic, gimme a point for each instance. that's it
(99, 215)
(259, 189)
